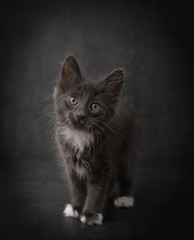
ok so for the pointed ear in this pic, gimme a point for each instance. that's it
(70, 72)
(113, 83)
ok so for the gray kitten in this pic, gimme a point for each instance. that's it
(94, 135)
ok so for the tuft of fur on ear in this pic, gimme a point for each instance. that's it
(113, 83)
(70, 72)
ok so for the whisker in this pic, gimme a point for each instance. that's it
(110, 129)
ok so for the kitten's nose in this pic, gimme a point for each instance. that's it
(80, 117)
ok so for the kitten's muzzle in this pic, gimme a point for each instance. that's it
(80, 117)
(78, 120)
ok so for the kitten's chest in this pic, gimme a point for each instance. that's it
(77, 140)
(78, 153)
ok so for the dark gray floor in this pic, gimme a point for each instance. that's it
(34, 195)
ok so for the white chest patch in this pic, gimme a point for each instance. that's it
(78, 139)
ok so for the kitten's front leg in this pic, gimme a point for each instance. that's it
(92, 212)
(78, 196)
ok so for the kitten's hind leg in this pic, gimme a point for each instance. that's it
(125, 201)
(125, 184)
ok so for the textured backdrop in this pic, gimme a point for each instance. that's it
(149, 39)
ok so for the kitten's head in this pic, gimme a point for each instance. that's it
(83, 104)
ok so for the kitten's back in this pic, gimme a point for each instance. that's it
(124, 120)
(122, 131)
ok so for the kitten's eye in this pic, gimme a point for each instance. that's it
(95, 107)
(73, 100)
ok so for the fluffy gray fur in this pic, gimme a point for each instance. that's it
(97, 147)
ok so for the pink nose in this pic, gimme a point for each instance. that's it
(80, 117)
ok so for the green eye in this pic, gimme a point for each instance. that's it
(95, 107)
(73, 100)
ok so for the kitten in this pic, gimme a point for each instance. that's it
(94, 135)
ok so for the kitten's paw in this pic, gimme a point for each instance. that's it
(69, 212)
(92, 218)
(124, 202)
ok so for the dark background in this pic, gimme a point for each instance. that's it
(153, 41)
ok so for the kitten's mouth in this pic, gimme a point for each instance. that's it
(80, 124)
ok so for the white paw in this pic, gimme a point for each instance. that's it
(83, 219)
(69, 212)
(124, 202)
(91, 219)
(100, 218)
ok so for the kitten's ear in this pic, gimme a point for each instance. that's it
(113, 83)
(70, 72)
